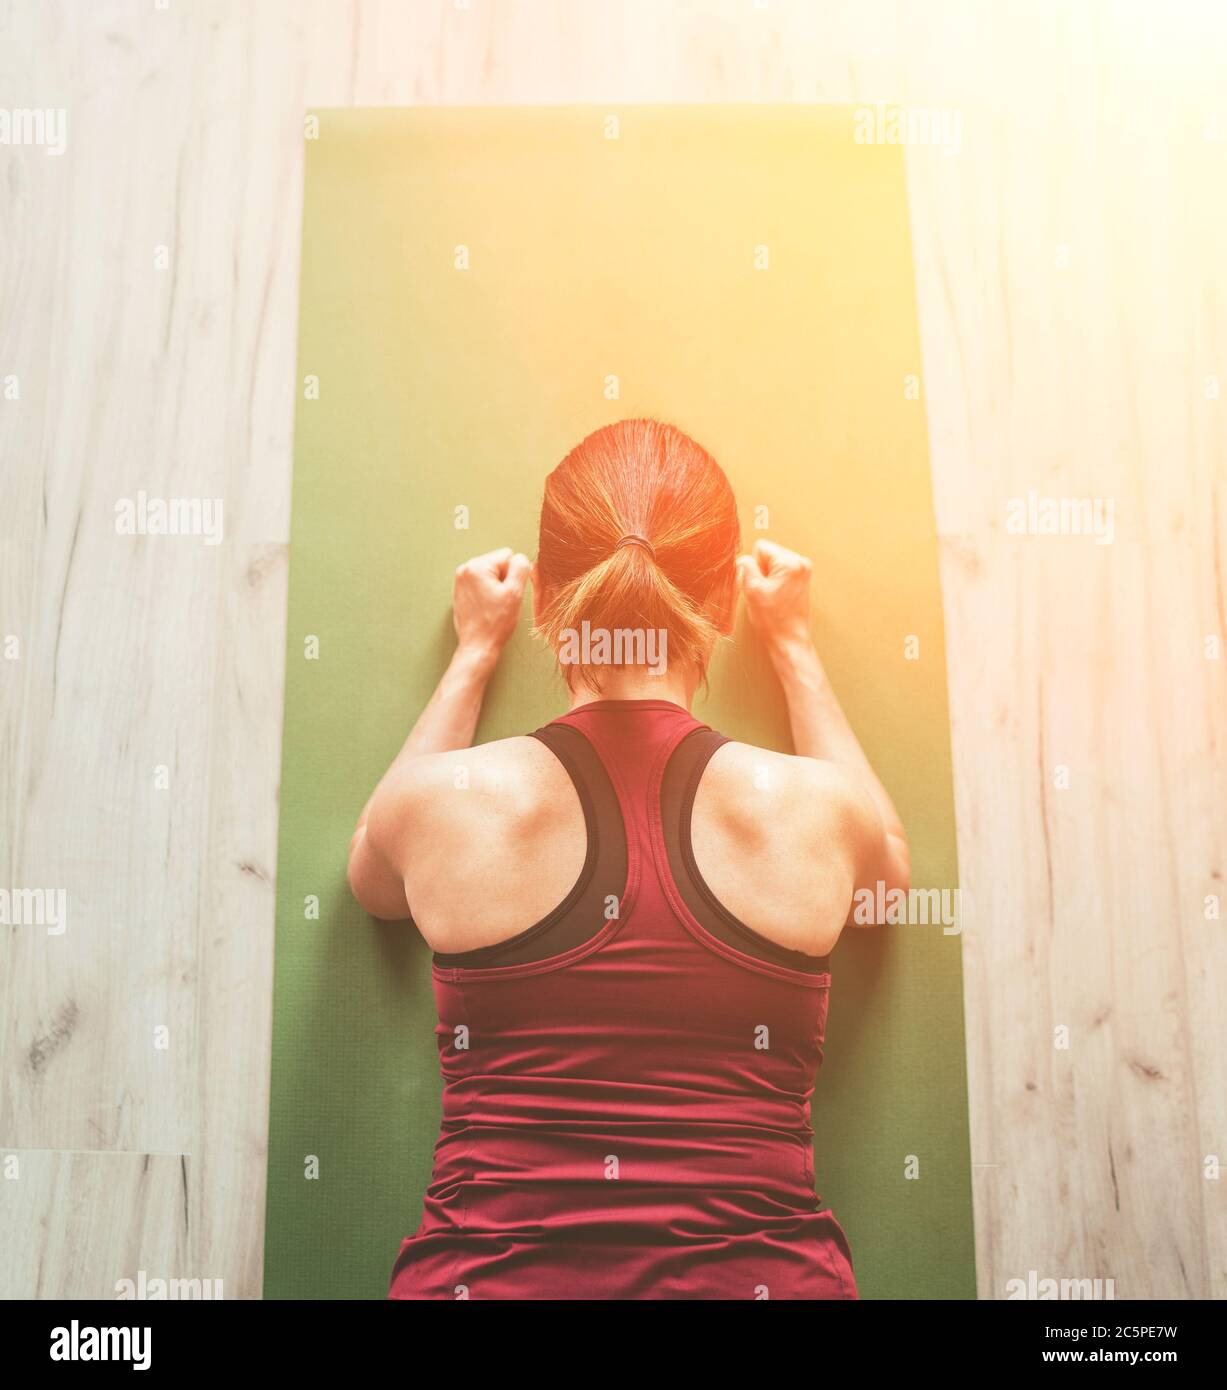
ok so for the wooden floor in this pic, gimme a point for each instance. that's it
(1073, 294)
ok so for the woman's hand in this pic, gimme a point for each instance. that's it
(775, 583)
(486, 601)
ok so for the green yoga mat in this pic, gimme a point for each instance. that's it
(745, 273)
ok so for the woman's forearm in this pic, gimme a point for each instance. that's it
(486, 600)
(450, 718)
(820, 729)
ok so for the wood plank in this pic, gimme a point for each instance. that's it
(1071, 289)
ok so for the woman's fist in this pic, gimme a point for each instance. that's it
(486, 599)
(775, 584)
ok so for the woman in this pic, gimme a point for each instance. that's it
(630, 914)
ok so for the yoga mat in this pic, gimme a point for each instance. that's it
(745, 273)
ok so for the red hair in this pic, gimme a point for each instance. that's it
(648, 479)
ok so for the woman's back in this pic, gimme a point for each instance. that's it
(627, 1080)
(630, 914)
(493, 837)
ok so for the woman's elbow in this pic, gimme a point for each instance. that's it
(375, 885)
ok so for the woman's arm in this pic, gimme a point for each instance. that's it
(775, 583)
(486, 602)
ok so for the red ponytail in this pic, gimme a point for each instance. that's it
(647, 479)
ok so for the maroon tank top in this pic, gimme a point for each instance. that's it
(627, 1083)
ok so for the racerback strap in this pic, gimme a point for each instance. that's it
(677, 794)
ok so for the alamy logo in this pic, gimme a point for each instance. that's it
(23, 126)
(143, 515)
(77, 1343)
(897, 907)
(619, 646)
(1034, 515)
(1033, 1287)
(35, 907)
(887, 123)
(157, 1290)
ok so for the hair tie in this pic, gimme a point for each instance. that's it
(634, 538)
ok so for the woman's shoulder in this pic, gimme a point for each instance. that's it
(755, 786)
(740, 764)
(481, 836)
(776, 839)
(508, 774)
